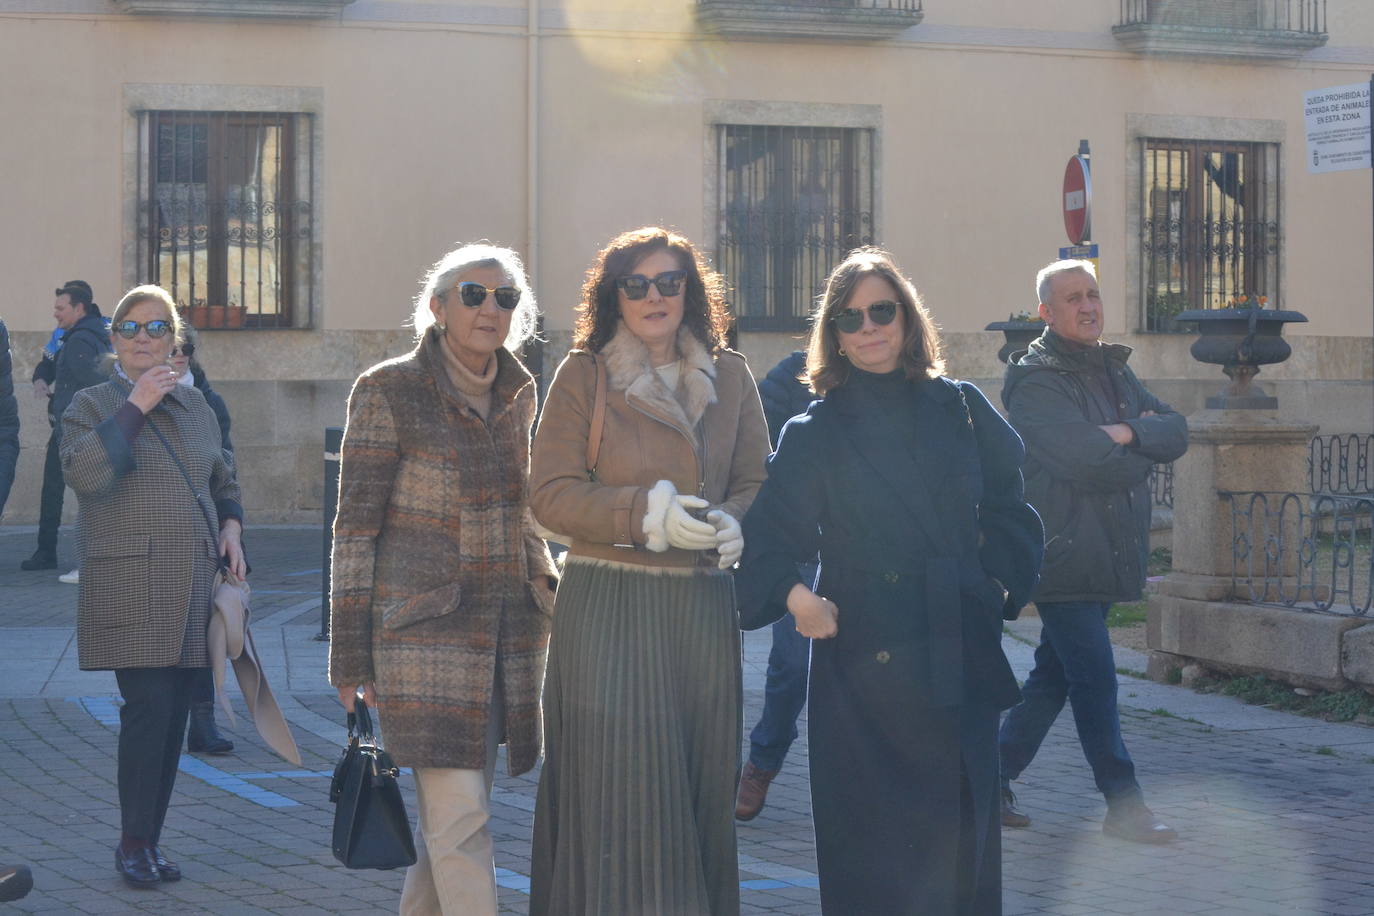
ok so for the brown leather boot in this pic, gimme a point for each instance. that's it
(753, 790)
(1011, 815)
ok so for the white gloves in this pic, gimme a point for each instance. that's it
(667, 523)
(729, 537)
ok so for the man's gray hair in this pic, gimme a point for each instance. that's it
(444, 274)
(1050, 271)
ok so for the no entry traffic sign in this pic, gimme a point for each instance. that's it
(1078, 200)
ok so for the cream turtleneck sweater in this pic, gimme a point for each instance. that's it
(476, 389)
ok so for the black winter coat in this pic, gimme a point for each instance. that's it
(9, 419)
(912, 544)
(783, 394)
(80, 363)
(216, 404)
(1091, 493)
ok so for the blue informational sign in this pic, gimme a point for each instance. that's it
(1079, 252)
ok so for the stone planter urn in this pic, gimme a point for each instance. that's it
(1240, 340)
(1017, 333)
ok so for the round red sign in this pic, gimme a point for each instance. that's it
(1078, 201)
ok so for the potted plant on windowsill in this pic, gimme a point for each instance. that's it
(1018, 331)
(1240, 338)
(234, 315)
(196, 313)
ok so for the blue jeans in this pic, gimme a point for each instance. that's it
(1074, 661)
(784, 695)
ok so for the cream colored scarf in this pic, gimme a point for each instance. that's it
(475, 388)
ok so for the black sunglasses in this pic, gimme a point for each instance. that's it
(636, 286)
(187, 349)
(850, 321)
(474, 294)
(155, 328)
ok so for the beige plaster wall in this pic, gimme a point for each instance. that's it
(424, 142)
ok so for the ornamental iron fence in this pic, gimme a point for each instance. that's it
(1306, 551)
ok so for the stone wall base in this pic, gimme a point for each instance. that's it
(1298, 647)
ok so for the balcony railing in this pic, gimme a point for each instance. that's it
(1225, 28)
(236, 9)
(864, 20)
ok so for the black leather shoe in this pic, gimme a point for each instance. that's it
(137, 867)
(1011, 815)
(15, 882)
(167, 870)
(1134, 822)
(202, 737)
(41, 559)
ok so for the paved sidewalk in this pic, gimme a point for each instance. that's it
(1276, 811)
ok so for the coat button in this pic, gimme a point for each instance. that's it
(890, 577)
(883, 657)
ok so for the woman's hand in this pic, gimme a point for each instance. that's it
(369, 689)
(729, 537)
(683, 530)
(151, 386)
(230, 545)
(817, 617)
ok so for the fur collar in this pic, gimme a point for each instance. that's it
(628, 369)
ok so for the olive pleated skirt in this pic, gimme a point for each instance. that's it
(642, 720)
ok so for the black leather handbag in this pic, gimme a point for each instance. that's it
(371, 829)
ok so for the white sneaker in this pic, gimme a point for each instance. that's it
(71, 578)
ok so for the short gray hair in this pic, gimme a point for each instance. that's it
(445, 272)
(1050, 271)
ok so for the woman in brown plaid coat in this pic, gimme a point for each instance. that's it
(149, 551)
(441, 590)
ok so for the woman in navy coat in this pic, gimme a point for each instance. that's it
(909, 485)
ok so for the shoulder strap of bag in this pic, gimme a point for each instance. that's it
(186, 477)
(598, 418)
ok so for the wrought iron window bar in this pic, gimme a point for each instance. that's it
(225, 221)
(794, 201)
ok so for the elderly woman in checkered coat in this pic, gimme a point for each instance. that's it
(134, 448)
(442, 591)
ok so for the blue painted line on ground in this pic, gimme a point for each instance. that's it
(106, 711)
(305, 572)
(233, 784)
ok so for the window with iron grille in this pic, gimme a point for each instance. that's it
(1210, 226)
(225, 215)
(793, 202)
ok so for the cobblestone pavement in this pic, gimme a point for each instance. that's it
(1276, 812)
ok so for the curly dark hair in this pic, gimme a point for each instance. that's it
(703, 309)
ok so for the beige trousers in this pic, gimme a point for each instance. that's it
(453, 874)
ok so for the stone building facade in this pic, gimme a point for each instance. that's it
(290, 167)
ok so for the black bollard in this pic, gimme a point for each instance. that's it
(333, 444)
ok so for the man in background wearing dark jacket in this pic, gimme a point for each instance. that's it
(9, 419)
(77, 365)
(784, 694)
(1092, 433)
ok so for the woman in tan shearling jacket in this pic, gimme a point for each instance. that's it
(642, 694)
